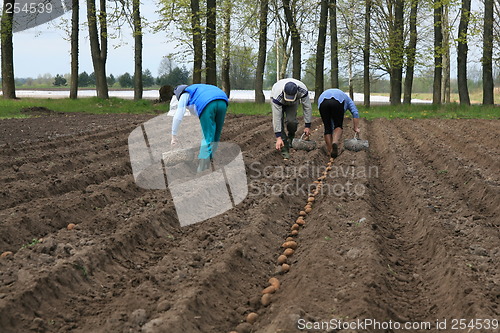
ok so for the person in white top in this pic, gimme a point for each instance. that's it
(286, 95)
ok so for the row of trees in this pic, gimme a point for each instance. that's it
(367, 38)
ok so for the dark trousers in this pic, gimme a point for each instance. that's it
(289, 120)
(332, 114)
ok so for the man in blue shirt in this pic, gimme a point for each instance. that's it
(332, 104)
(209, 103)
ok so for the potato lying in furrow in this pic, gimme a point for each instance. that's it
(290, 245)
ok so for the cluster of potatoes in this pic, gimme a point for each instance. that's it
(290, 245)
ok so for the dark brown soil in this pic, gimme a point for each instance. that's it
(406, 232)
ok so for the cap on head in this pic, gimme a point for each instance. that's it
(290, 92)
(179, 90)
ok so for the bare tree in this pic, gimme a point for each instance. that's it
(210, 43)
(410, 53)
(8, 82)
(438, 56)
(320, 50)
(197, 41)
(136, 14)
(396, 41)
(446, 84)
(261, 59)
(334, 44)
(462, 50)
(366, 55)
(487, 60)
(98, 45)
(75, 21)
(296, 41)
(226, 49)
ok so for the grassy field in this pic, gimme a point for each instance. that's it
(475, 95)
(17, 109)
(417, 111)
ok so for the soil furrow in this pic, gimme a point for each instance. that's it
(392, 236)
(417, 249)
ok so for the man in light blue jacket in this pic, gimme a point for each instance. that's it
(209, 103)
(332, 104)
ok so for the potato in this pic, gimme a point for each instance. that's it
(274, 282)
(290, 244)
(307, 206)
(269, 290)
(71, 226)
(311, 199)
(285, 268)
(295, 226)
(282, 259)
(308, 210)
(6, 254)
(288, 252)
(332, 159)
(300, 218)
(294, 232)
(266, 299)
(290, 239)
(302, 213)
(300, 222)
(252, 317)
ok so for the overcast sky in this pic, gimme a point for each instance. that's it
(43, 49)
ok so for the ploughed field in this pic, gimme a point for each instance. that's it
(406, 232)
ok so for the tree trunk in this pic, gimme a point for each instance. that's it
(396, 53)
(366, 55)
(75, 21)
(488, 86)
(197, 41)
(462, 50)
(320, 50)
(138, 85)
(210, 42)
(445, 88)
(8, 82)
(261, 59)
(296, 43)
(98, 49)
(226, 60)
(410, 53)
(438, 55)
(334, 44)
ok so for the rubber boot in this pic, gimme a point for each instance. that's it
(290, 139)
(285, 150)
(203, 165)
